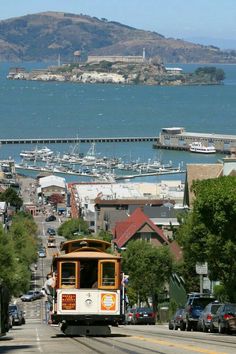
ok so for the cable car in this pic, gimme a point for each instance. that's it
(89, 295)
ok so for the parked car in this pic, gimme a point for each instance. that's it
(143, 315)
(205, 319)
(29, 296)
(51, 231)
(50, 218)
(177, 319)
(17, 315)
(129, 316)
(38, 294)
(224, 319)
(10, 320)
(195, 305)
(42, 253)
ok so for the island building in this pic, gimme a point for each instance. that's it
(118, 58)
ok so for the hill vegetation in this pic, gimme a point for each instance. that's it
(43, 36)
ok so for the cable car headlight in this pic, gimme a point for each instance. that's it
(88, 302)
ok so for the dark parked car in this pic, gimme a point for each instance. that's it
(176, 321)
(223, 321)
(16, 314)
(143, 315)
(195, 305)
(51, 218)
(205, 319)
(51, 231)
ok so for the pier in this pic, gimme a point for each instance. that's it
(176, 138)
(21, 141)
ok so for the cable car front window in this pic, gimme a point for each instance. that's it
(108, 274)
(68, 274)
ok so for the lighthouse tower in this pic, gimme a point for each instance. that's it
(144, 54)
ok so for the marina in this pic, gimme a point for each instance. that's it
(92, 165)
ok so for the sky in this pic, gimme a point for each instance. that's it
(196, 20)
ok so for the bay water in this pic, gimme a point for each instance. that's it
(34, 109)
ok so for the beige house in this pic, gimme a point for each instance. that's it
(196, 172)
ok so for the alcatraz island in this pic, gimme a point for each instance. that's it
(121, 70)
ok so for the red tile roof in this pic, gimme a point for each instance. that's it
(125, 230)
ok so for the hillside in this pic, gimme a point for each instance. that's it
(43, 36)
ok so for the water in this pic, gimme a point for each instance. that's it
(36, 109)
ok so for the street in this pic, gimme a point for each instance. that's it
(35, 336)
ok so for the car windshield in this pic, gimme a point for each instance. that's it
(144, 309)
(214, 308)
(231, 308)
(12, 308)
(201, 302)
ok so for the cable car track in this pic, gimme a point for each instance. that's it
(208, 339)
(116, 346)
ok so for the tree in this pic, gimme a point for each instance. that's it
(104, 235)
(149, 269)
(73, 229)
(56, 199)
(11, 197)
(209, 231)
(211, 71)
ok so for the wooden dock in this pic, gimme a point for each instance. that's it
(128, 139)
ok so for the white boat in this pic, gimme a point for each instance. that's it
(197, 146)
(36, 154)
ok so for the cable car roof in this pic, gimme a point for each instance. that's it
(86, 255)
(70, 246)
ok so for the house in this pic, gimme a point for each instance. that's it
(103, 204)
(226, 167)
(138, 226)
(50, 185)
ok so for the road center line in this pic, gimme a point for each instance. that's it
(38, 341)
(171, 344)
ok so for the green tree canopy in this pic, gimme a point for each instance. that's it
(73, 229)
(149, 269)
(214, 73)
(11, 197)
(209, 231)
(18, 250)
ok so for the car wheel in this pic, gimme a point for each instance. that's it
(212, 328)
(188, 326)
(221, 329)
(204, 328)
(182, 326)
(171, 327)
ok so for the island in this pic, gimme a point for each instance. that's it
(131, 70)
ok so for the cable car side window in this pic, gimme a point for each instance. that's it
(108, 274)
(68, 271)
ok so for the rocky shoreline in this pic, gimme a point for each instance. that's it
(117, 73)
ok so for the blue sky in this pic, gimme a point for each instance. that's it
(188, 19)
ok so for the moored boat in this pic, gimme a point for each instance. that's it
(36, 154)
(197, 146)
